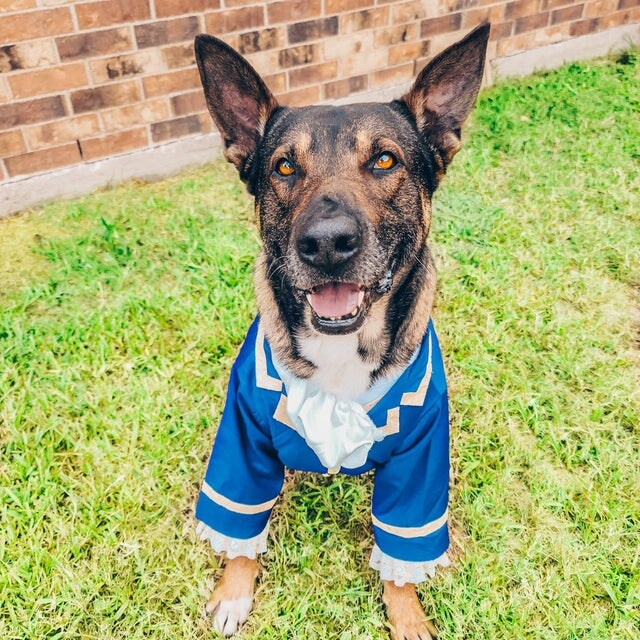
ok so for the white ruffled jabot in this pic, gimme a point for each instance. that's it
(233, 547)
(402, 572)
(338, 430)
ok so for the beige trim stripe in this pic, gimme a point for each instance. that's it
(416, 398)
(393, 422)
(412, 532)
(237, 507)
(263, 379)
(280, 414)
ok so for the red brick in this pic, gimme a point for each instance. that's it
(166, 31)
(450, 6)
(443, 24)
(18, 113)
(312, 30)
(35, 24)
(293, 10)
(55, 80)
(553, 4)
(191, 102)
(343, 88)
(261, 40)
(584, 27)
(171, 82)
(107, 69)
(522, 8)
(340, 6)
(176, 128)
(473, 17)
(529, 23)
(396, 35)
(568, 14)
(111, 95)
(234, 20)
(628, 4)
(599, 8)
(408, 12)
(313, 74)
(367, 19)
(614, 20)
(277, 82)
(165, 8)
(11, 143)
(302, 54)
(501, 30)
(409, 51)
(26, 55)
(43, 160)
(179, 55)
(16, 5)
(106, 12)
(94, 43)
(300, 97)
(135, 114)
(61, 131)
(113, 144)
(392, 75)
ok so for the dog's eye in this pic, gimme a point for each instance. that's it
(385, 161)
(284, 167)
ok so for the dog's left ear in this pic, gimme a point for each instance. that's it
(445, 91)
(238, 99)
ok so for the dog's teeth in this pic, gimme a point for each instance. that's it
(308, 297)
(360, 297)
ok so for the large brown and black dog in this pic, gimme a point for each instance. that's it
(345, 281)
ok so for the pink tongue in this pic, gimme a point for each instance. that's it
(334, 300)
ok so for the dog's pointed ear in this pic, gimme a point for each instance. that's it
(445, 91)
(238, 100)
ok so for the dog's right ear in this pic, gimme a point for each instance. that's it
(238, 99)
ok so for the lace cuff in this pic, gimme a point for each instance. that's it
(401, 571)
(233, 547)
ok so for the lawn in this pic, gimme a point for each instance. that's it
(121, 313)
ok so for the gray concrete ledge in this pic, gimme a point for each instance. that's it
(77, 180)
(167, 159)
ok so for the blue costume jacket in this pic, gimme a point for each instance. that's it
(255, 442)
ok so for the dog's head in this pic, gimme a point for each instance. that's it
(343, 193)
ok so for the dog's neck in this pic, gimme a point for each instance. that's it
(348, 365)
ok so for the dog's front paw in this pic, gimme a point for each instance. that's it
(228, 615)
(230, 602)
(405, 614)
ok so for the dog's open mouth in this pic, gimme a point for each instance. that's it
(338, 306)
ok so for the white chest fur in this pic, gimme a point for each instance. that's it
(339, 368)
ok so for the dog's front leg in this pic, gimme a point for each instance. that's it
(405, 613)
(231, 600)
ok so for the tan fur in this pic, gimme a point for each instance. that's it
(275, 329)
(404, 612)
(238, 581)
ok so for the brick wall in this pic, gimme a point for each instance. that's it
(81, 81)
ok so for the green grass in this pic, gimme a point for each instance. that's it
(120, 314)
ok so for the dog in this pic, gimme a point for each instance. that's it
(342, 371)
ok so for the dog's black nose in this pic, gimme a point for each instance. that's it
(328, 241)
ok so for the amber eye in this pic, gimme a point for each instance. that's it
(284, 167)
(385, 161)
